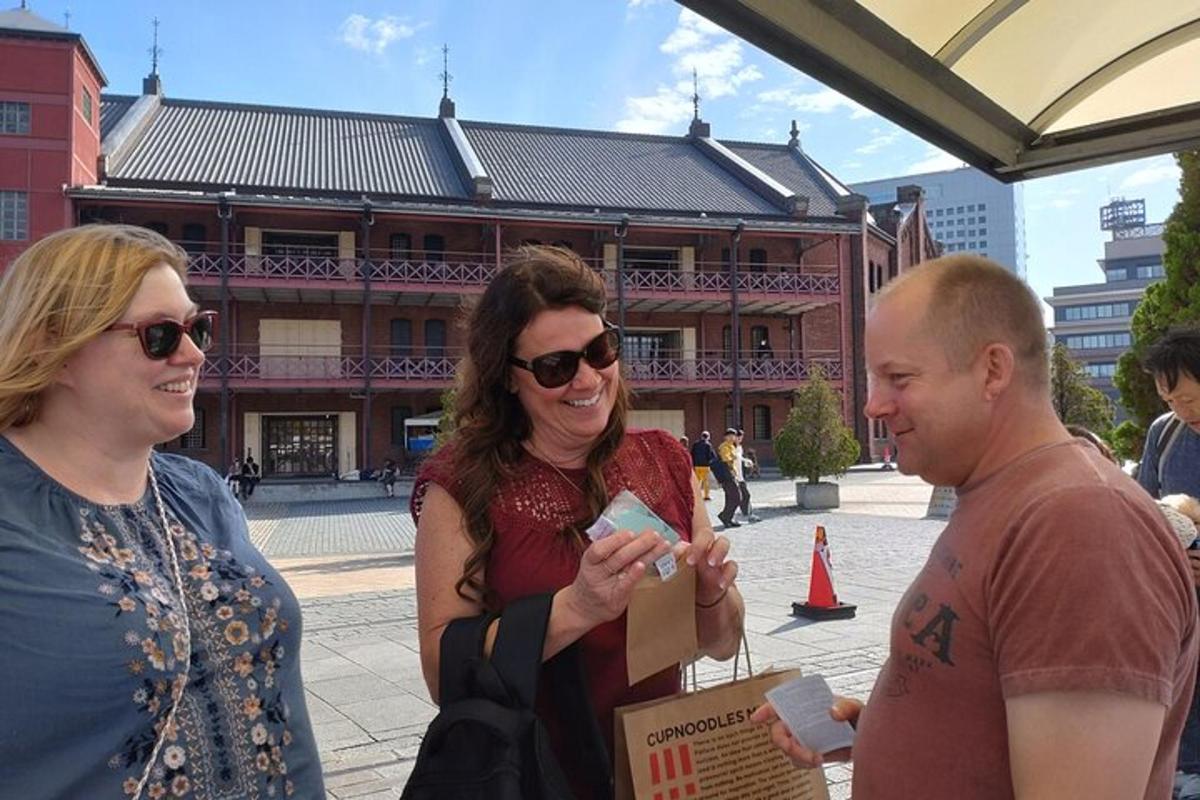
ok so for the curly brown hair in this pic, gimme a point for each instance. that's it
(490, 422)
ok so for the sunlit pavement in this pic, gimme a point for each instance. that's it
(350, 564)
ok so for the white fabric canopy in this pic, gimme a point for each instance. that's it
(1018, 88)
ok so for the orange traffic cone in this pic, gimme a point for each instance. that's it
(822, 600)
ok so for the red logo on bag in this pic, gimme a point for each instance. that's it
(668, 766)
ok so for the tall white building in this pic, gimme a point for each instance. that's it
(1093, 319)
(967, 210)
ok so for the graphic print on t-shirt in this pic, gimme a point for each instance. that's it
(928, 623)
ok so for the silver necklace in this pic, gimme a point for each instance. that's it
(182, 679)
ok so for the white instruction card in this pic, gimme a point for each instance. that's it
(803, 704)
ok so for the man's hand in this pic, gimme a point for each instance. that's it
(1194, 563)
(844, 709)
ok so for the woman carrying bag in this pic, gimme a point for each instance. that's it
(539, 450)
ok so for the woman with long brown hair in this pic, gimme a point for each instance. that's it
(539, 450)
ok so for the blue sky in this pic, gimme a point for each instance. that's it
(604, 64)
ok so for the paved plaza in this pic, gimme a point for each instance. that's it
(350, 563)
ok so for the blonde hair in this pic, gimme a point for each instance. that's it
(61, 293)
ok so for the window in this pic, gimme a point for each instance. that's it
(971, 233)
(435, 338)
(195, 237)
(758, 259)
(762, 423)
(937, 212)
(14, 118)
(983, 231)
(983, 242)
(299, 245)
(727, 342)
(400, 246)
(194, 439)
(760, 342)
(401, 338)
(1118, 274)
(983, 206)
(14, 216)
(158, 227)
(1101, 370)
(1152, 271)
(970, 220)
(958, 210)
(729, 423)
(434, 246)
(971, 207)
(399, 415)
(85, 105)
(1098, 341)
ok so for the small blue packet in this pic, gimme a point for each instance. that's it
(627, 512)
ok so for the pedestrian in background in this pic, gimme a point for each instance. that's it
(740, 464)
(702, 457)
(722, 470)
(1170, 465)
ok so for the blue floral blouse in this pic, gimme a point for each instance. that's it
(90, 645)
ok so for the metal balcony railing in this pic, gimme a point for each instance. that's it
(476, 270)
(440, 365)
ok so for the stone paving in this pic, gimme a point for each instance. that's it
(360, 657)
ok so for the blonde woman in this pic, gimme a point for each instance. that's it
(146, 648)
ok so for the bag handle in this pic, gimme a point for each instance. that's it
(743, 647)
(517, 653)
(461, 649)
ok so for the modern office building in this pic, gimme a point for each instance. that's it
(968, 212)
(340, 249)
(1093, 319)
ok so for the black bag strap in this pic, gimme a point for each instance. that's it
(1169, 434)
(517, 652)
(574, 707)
(461, 649)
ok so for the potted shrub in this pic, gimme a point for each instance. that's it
(814, 442)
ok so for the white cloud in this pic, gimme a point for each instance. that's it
(701, 48)
(1057, 200)
(1155, 173)
(373, 36)
(824, 101)
(878, 142)
(935, 160)
(657, 113)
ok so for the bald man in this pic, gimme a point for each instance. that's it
(1048, 646)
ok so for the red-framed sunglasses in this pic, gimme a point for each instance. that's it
(161, 338)
(556, 369)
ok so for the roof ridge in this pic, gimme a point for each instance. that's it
(680, 139)
(297, 110)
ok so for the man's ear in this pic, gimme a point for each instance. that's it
(999, 365)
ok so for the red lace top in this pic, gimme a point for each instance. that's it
(530, 555)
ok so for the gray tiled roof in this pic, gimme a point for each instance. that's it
(226, 145)
(554, 166)
(112, 108)
(793, 170)
(199, 145)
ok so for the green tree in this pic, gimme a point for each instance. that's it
(1173, 300)
(446, 422)
(1075, 400)
(814, 441)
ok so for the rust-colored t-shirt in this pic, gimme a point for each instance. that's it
(1056, 573)
(530, 554)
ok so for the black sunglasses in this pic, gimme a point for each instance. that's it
(161, 338)
(556, 369)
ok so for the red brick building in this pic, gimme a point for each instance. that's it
(340, 249)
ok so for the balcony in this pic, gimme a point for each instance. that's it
(767, 288)
(668, 372)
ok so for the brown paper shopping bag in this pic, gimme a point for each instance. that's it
(703, 745)
(660, 623)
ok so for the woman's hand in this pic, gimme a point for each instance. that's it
(608, 571)
(715, 571)
(844, 709)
